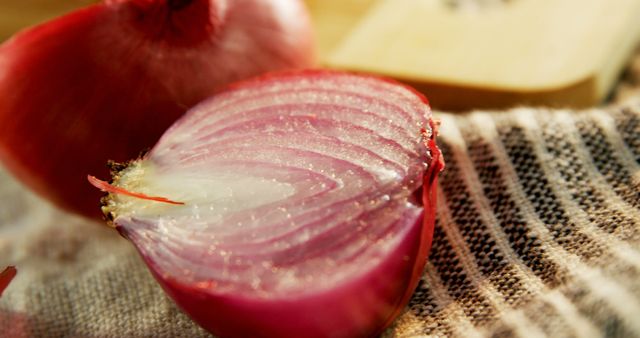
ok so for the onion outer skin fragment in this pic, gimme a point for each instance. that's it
(361, 306)
(6, 276)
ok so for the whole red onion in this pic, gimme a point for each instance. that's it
(106, 81)
(295, 205)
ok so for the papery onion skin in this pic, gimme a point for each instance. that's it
(6, 276)
(104, 82)
(364, 303)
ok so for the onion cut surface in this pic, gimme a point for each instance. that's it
(304, 207)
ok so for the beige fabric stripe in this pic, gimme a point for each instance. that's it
(409, 325)
(579, 324)
(607, 290)
(517, 321)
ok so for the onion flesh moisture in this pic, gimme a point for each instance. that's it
(106, 81)
(299, 204)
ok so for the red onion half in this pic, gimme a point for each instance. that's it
(300, 205)
(107, 80)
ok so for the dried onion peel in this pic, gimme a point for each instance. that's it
(301, 204)
(6, 276)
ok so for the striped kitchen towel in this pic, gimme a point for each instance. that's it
(538, 235)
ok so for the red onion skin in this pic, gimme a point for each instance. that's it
(71, 95)
(357, 308)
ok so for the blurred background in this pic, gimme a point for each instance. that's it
(465, 54)
(18, 14)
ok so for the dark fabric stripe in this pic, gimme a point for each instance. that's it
(502, 331)
(577, 181)
(547, 318)
(628, 124)
(569, 165)
(423, 306)
(538, 190)
(601, 152)
(523, 242)
(488, 257)
(566, 231)
(597, 311)
(458, 284)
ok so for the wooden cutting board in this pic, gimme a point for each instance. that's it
(18, 14)
(469, 54)
(464, 54)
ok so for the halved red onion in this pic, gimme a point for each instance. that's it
(304, 208)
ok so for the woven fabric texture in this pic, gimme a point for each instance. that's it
(538, 235)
